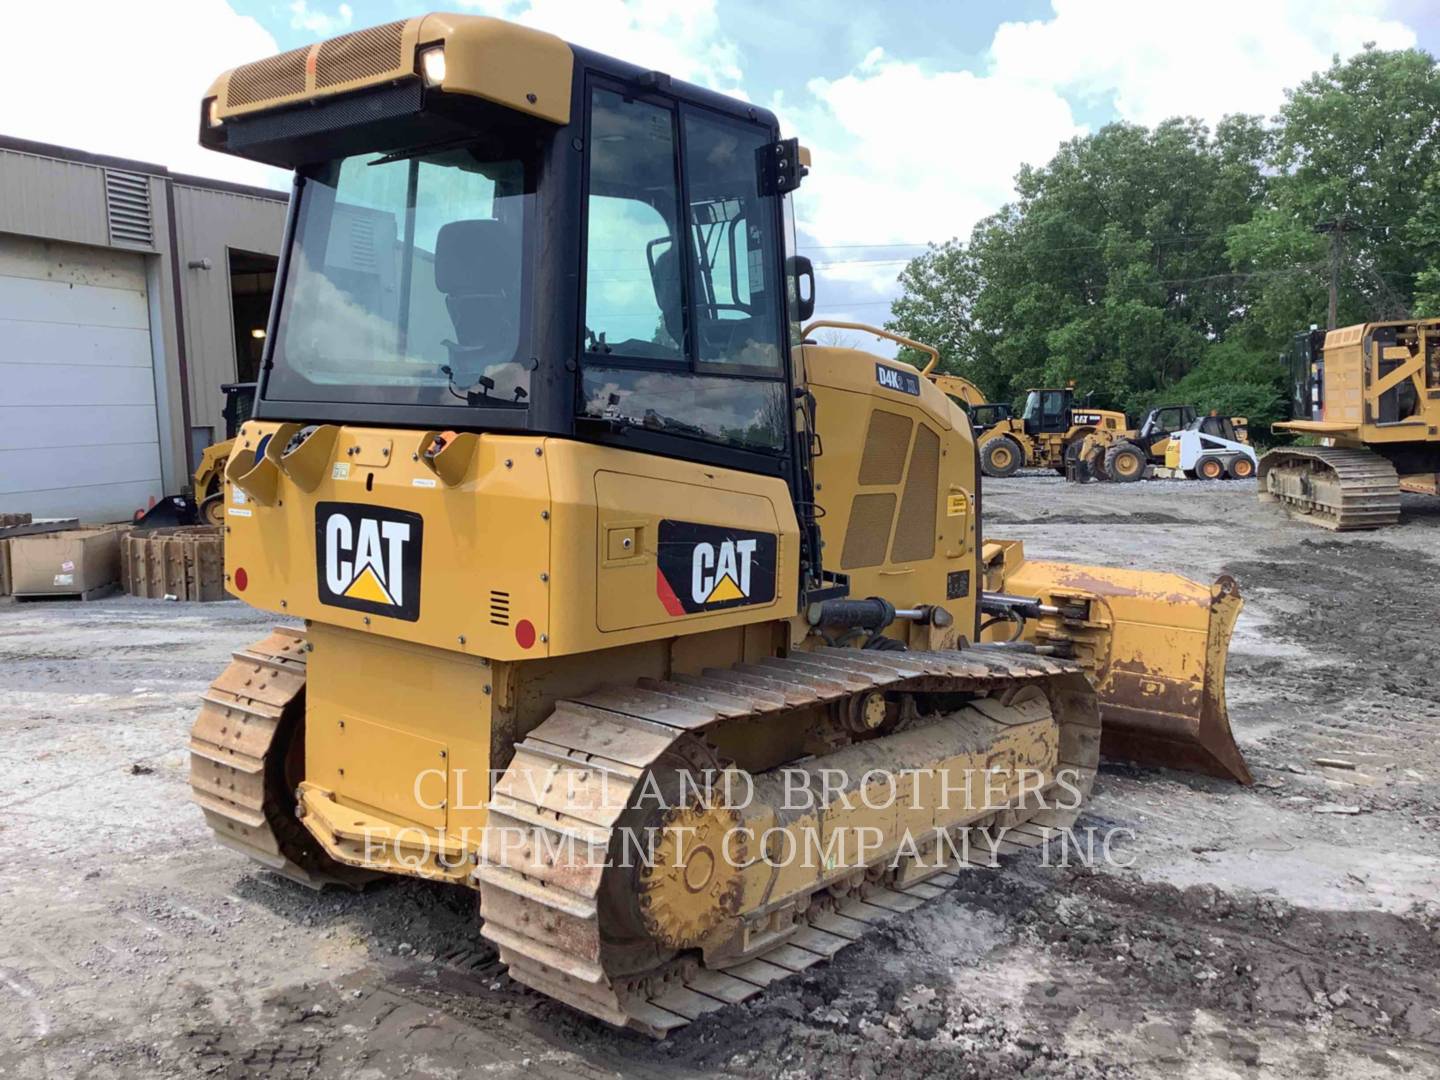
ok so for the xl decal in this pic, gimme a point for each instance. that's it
(367, 558)
(709, 568)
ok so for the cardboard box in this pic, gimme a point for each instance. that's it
(75, 562)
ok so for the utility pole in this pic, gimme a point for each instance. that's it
(1337, 230)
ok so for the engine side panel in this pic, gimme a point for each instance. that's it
(897, 480)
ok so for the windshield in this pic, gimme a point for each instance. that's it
(407, 282)
(1032, 406)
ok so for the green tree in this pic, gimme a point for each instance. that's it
(1354, 149)
(1176, 263)
(1110, 269)
(939, 287)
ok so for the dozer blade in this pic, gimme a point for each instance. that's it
(1156, 645)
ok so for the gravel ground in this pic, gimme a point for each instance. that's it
(1287, 930)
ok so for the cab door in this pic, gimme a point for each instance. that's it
(1054, 412)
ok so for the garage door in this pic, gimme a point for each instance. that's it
(78, 432)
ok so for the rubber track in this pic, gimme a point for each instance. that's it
(1369, 486)
(242, 725)
(545, 916)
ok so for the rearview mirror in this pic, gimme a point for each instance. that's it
(801, 273)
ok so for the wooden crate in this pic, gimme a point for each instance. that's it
(186, 563)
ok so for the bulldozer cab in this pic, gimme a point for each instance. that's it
(1047, 412)
(608, 263)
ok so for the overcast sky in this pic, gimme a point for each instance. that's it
(917, 112)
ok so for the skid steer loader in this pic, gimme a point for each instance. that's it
(204, 503)
(578, 527)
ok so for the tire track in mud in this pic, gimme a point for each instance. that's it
(1370, 695)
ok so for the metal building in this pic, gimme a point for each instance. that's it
(128, 296)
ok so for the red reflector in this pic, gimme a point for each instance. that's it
(241, 578)
(525, 633)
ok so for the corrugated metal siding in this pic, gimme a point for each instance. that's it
(208, 224)
(58, 200)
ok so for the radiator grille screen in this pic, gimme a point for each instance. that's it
(915, 531)
(883, 461)
(868, 531)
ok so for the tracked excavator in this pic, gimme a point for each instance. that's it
(565, 516)
(983, 414)
(1369, 395)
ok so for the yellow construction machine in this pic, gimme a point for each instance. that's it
(584, 548)
(983, 414)
(1047, 434)
(204, 503)
(1172, 441)
(1370, 396)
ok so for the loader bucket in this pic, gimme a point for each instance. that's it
(1156, 645)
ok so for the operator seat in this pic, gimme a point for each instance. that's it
(477, 269)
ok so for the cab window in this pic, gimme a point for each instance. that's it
(732, 229)
(633, 302)
(682, 296)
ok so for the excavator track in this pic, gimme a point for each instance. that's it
(548, 903)
(246, 754)
(1341, 488)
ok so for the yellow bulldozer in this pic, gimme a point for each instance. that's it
(584, 551)
(1370, 396)
(1046, 435)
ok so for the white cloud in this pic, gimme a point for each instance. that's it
(121, 86)
(679, 37)
(320, 23)
(1157, 60)
(902, 153)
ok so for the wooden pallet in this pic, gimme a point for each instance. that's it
(95, 593)
(11, 525)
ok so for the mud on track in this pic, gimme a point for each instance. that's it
(1288, 930)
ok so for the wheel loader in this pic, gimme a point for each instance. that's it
(580, 546)
(1122, 454)
(1046, 435)
(1370, 396)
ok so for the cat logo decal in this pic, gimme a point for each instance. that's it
(368, 559)
(710, 568)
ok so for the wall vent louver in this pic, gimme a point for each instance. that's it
(127, 208)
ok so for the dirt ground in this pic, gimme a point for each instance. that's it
(1291, 929)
